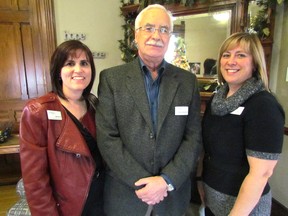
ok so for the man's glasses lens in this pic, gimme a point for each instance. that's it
(152, 29)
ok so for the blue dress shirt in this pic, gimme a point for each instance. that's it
(152, 90)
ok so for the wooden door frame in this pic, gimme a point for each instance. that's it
(44, 39)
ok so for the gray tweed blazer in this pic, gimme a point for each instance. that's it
(128, 145)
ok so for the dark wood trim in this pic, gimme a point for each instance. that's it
(286, 131)
(44, 36)
(15, 16)
(11, 146)
(236, 7)
(11, 111)
(278, 209)
(127, 9)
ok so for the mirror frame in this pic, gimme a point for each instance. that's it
(237, 7)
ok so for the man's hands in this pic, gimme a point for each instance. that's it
(154, 189)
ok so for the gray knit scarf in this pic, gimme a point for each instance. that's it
(221, 105)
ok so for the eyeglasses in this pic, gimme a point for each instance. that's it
(151, 29)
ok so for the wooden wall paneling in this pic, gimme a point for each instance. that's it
(8, 16)
(23, 4)
(4, 116)
(11, 64)
(267, 46)
(21, 63)
(36, 42)
(30, 74)
(40, 67)
(14, 5)
(6, 119)
(5, 4)
(10, 111)
(27, 40)
(43, 33)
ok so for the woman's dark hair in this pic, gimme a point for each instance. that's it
(58, 59)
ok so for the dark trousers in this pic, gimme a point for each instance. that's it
(208, 212)
(94, 202)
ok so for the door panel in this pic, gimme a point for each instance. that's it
(27, 40)
(29, 61)
(11, 64)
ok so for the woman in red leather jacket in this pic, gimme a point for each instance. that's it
(61, 165)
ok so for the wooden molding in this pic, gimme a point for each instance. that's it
(127, 9)
(44, 36)
(278, 209)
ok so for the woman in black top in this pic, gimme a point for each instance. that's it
(242, 133)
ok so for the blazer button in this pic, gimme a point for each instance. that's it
(151, 136)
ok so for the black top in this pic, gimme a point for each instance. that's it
(227, 139)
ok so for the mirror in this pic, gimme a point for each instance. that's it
(197, 38)
(201, 35)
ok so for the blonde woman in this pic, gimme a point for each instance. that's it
(242, 133)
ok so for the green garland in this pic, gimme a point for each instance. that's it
(260, 23)
(126, 45)
(270, 3)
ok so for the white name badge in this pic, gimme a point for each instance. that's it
(54, 115)
(181, 110)
(238, 111)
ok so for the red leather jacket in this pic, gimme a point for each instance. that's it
(57, 166)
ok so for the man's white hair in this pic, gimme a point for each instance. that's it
(153, 6)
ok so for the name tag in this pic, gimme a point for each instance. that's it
(238, 111)
(181, 110)
(54, 115)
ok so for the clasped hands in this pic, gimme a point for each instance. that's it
(154, 189)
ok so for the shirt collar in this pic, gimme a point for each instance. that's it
(160, 70)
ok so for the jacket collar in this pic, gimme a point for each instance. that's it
(70, 138)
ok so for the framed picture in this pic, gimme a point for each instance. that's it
(195, 67)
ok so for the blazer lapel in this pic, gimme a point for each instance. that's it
(135, 85)
(168, 88)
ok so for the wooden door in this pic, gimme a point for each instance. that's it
(27, 40)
